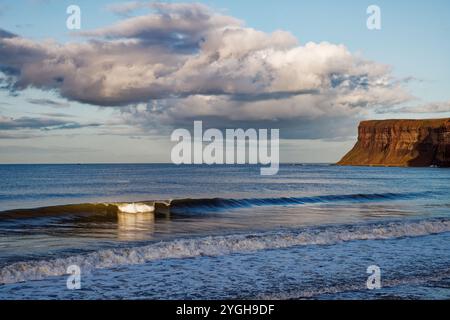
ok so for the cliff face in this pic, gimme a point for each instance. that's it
(405, 143)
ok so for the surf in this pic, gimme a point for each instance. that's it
(196, 205)
(220, 245)
(135, 208)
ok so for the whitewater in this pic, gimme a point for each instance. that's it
(173, 232)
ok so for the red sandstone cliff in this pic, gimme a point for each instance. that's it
(405, 143)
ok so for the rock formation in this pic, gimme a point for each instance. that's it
(404, 143)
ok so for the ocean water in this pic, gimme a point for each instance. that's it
(309, 232)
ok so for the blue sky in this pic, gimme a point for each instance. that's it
(413, 41)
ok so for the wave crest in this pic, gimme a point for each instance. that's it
(135, 208)
(180, 206)
(220, 245)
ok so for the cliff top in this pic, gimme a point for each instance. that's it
(412, 123)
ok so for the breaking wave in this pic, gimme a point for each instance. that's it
(221, 245)
(195, 205)
(135, 208)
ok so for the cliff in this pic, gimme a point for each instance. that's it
(404, 143)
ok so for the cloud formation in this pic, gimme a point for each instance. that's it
(6, 34)
(185, 61)
(48, 102)
(8, 123)
(433, 107)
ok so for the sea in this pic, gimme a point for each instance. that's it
(313, 231)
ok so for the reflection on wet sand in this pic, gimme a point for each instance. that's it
(135, 226)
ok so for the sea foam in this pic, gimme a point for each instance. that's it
(135, 208)
(221, 245)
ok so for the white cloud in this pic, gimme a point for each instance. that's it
(185, 61)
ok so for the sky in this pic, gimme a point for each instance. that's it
(115, 89)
